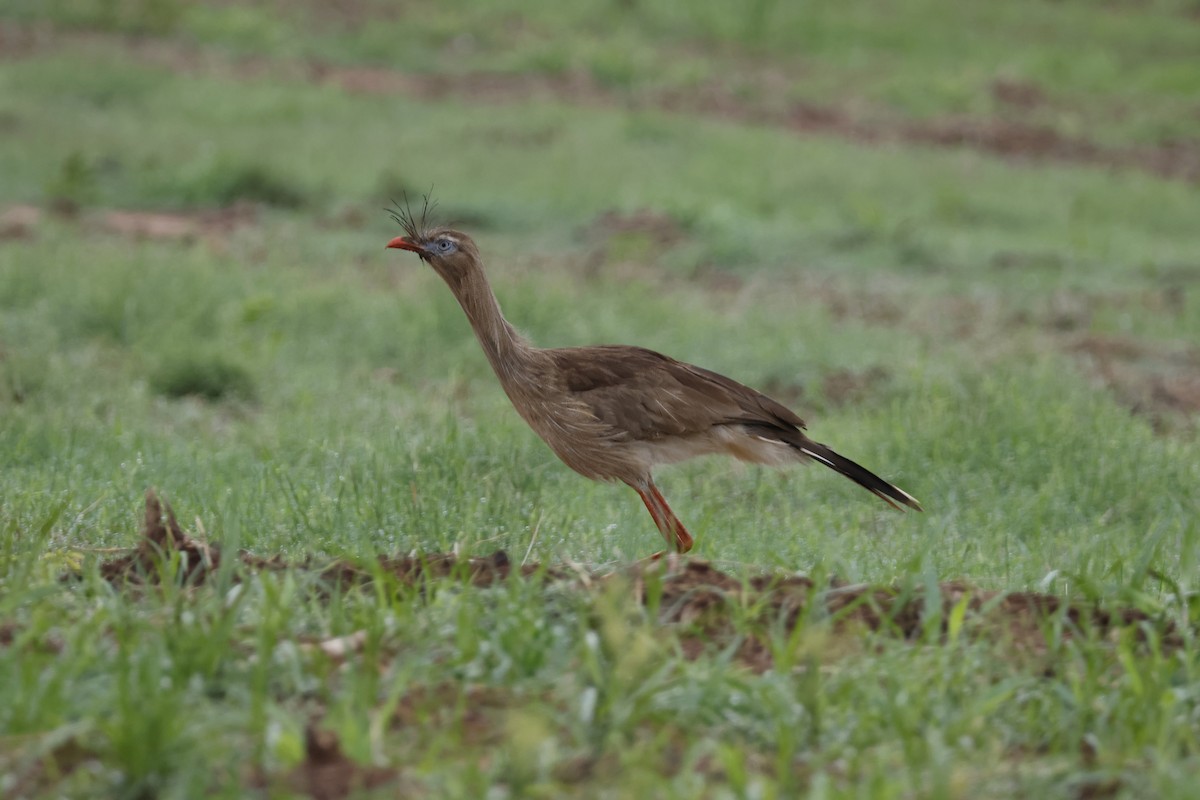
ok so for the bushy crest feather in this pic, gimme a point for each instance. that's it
(403, 215)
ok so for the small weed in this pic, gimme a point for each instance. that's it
(224, 184)
(212, 376)
(73, 186)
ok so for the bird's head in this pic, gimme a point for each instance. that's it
(451, 253)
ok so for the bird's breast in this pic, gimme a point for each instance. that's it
(581, 440)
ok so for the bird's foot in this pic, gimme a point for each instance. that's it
(671, 562)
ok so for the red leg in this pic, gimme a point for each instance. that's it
(668, 524)
(683, 539)
(650, 506)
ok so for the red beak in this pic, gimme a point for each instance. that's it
(401, 243)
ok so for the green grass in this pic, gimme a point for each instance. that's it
(1122, 78)
(293, 389)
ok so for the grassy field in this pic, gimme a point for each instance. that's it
(960, 239)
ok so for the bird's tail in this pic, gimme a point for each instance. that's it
(859, 474)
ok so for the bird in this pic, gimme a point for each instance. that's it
(615, 412)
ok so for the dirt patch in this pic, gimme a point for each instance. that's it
(212, 226)
(414, 570)
(994, 135)
(207, 225)
(660, 228)
(19, 222)
(700, 598)
(21, 41)
(1158, 381)
(476, 710)
(842, 387)
(10, 636)
(1098, 788)
(326, 773)
(690, 594)
(874, 308)
(1028, 260)
(837, 388)
(166, 552)
(33, 766)
(637, 237)
(163, 549)
(1024, 95)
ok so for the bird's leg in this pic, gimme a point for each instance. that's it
(683, 539)
(658, 522)
(668, 524)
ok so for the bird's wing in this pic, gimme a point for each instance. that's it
(646, 395)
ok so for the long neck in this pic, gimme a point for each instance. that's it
(510, 355)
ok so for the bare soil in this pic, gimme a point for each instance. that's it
(1159, 381)
(696, 600)
(19, 221)
(326, 773)
(1004, 135)
(1007, 138)
(212, 226)
(660, 228)
(206, 224)
(689, 594)
(35, 774)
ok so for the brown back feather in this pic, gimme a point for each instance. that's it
(650, 395)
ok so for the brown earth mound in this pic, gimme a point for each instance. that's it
(163, 544)
(326, 773)
(688, 593)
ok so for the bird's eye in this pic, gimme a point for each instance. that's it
(445, 245)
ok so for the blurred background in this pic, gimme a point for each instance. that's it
(959, 236)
